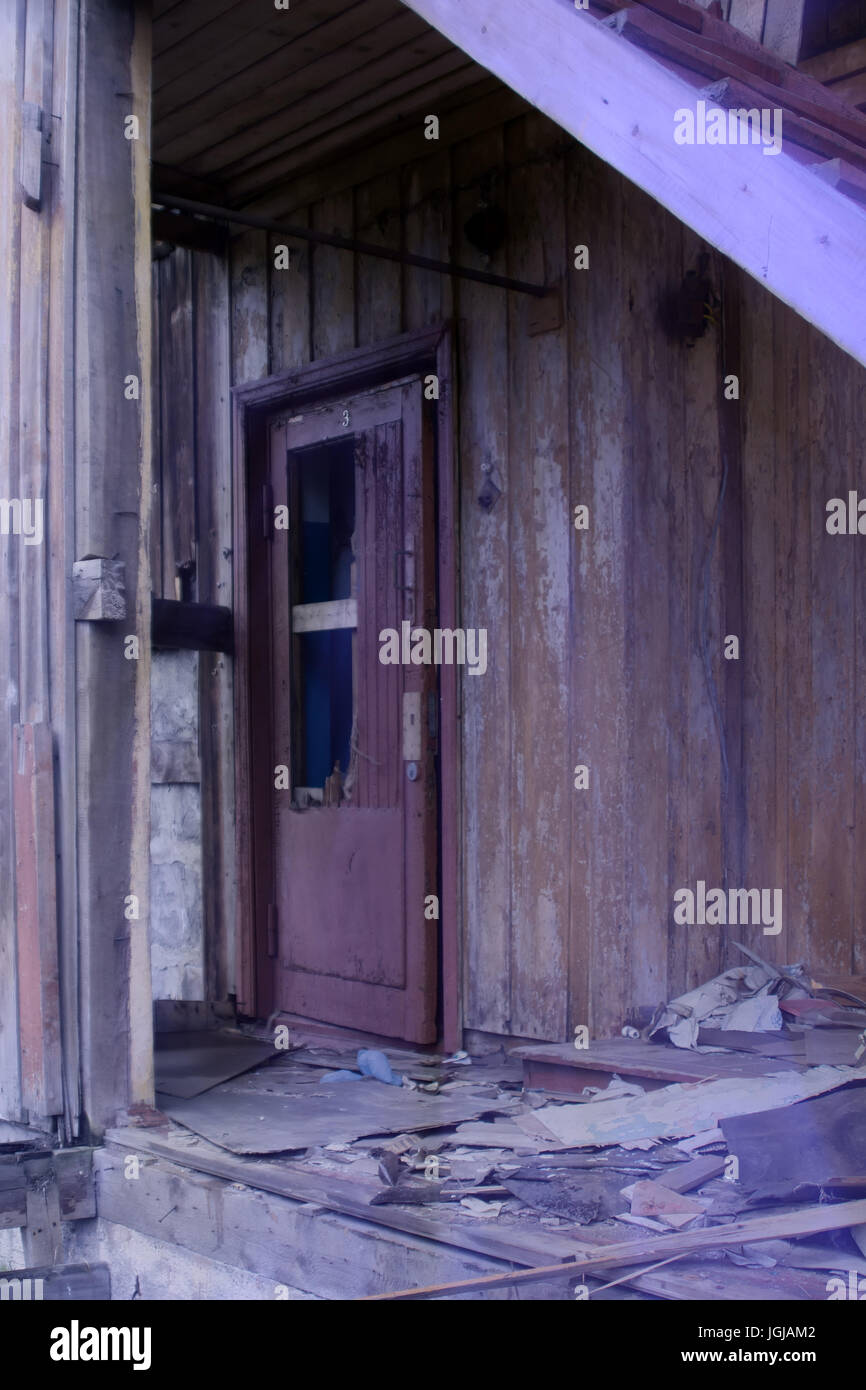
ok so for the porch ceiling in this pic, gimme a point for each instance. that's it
(246, 96)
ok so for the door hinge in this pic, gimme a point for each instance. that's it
(273, 937)
(267, 511)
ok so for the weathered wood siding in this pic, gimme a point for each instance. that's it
(74, 323)
(596, 638)
(191, 557)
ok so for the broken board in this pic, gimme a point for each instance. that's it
(189, 1063)
(680, 1109)
(270, 1122)
(565, 1068)
(814, 1141)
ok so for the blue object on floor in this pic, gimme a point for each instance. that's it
(373, 1063)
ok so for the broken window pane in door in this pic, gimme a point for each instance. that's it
(324, 618)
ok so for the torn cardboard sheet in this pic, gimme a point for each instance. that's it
(674, 1111)
(739, 999)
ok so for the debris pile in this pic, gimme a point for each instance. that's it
(725, 1140)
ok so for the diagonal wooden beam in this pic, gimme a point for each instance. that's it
(770, 215)
(808, 1221)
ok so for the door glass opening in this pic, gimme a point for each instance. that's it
(324, 620)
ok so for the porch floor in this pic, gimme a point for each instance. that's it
(360, 1214)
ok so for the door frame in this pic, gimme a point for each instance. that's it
(428, 351)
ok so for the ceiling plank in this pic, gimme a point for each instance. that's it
(334, 106)
(269, 106)
(485, 106)
(229, 44)
(280, 65)
(358, 128)
(839, 62)
(178, 21)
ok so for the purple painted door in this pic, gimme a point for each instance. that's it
(355, 794)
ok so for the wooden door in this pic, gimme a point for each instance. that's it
(355, 782)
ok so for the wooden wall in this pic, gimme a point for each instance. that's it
(600, 642)
(192, 536)
(74, 322)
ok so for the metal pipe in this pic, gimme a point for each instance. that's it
(364, 248)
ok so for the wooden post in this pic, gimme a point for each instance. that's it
(112, 470)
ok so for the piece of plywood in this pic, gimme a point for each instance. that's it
(838, 1046)
(819, 1139)
(260, 1123)
(188, 1064)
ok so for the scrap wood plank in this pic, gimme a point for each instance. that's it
(645, 1061)
(809, 1221)
(682, 1177)
(350, 1197)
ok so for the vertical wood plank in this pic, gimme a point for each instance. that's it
(333, 311)
(704, 944)
(34, 290)
(11, 59)
(485, 602)
(540, 545)
(653, 375)
(378, 289)
(289, 310)
(795, 631)
(36, 896)
(829, 447)
(214, 530)
(601, 710)
(177, 419)
(60, 184)
(764, 714)
(249, 294)
(427, 202)
(156, 418)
